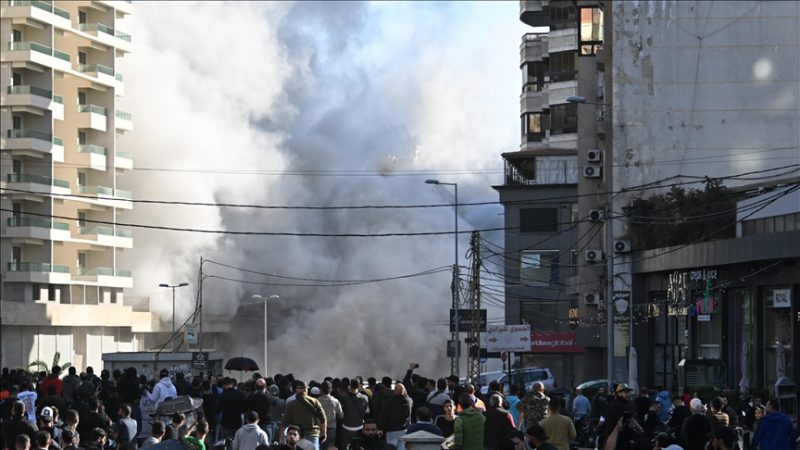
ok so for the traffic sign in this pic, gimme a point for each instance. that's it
(465, 320)
(199, 360)
(508, 338)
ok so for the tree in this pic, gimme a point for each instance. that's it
(41, 366)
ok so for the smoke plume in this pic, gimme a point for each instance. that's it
(226, 95)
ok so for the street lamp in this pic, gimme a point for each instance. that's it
(265, 299)
(454, 364)
(609, 261)
(173, 286)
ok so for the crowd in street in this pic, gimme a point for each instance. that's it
(83, 411)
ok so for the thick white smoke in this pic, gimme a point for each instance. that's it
(250, 87)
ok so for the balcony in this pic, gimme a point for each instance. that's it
(38, 53)
(105, 276)
(36, 272)
(123, 6)
(41, 11)
(92, 116)
(104, 235)
(58, 149)
(534, 47)
(36, 184)
(27, 142)
(107, 35)
(124, 121)
(123, 160)
(104, 74)
(534, 12)
(57, 106)
(93, 156)
(36, 228)
(108, 196)
(28, 96)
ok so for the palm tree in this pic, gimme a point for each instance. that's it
(41, 366)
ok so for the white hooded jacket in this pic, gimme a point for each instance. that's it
(163, 390)
(249, 437)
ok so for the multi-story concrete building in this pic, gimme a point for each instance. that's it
(547, 233)
(63, 183)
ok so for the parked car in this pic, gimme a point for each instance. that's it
(590, 387)
(527, 376)
(484, 379)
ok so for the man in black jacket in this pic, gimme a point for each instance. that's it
(231, 404)
(616, 409)
(397, 415)
(19, 424)
(261, 403)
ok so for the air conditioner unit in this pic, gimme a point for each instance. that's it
(592, 298)
(622, 246)
(593, 255)
(595, 215)
(594, 155)
(592, 171)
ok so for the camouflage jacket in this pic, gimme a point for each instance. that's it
(534, 406)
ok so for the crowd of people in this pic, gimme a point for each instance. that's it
(83, 411)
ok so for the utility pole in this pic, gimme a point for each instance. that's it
(474, 333)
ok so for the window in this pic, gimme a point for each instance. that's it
(538, 220)
(774, 224)
(533, 76)
(533, 126)
(564, 119)
(562, 16)
(591, 30)
(540, 315)
(557, 170)
(538, 267)
(562, 66)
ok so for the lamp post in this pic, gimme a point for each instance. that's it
(173, 286)
(454, 362)
(265, 299)
(609, 262)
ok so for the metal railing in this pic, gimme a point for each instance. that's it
(37, 179)
(35, 46)
(91, 148)
(33, 134)
(103, 271)
(36, 222)
(32, 90)
(18, 266)
(92, 109)
(123, 115)
(61, 55)
(95, 68)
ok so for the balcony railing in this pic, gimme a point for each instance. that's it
(123, 115)
(91, 148)
(96, 68)
(17, 266)
(104, 271)
(37, 179)
(95, 190)
(127, 195)
(123, 36)
(36, 222)
(124, 155)
(41, 5)
(92, 109)
(32, 90)
(35, 46)
(33, 134)
(61, 55)
(106, 231)
(58, 141)
(104, 29)
(118, 76)
(58, 99)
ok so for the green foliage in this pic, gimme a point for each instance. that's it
(40, 366)
(683, 216)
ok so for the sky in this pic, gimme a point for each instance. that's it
(270, 104)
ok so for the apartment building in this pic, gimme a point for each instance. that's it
(63, 183)
(546, 235)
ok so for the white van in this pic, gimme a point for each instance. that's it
(527, 376)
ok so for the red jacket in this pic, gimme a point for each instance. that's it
(50, 380)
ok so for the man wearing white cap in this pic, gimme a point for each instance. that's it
(696, 428)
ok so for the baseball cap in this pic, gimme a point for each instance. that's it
(314, 390)
(622, 387)
(46, 414)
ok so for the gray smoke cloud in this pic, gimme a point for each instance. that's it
(222, 91)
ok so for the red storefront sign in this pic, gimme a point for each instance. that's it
(554, 342)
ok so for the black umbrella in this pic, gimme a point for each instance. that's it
(241, 363)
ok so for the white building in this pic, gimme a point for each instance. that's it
(63, 183)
